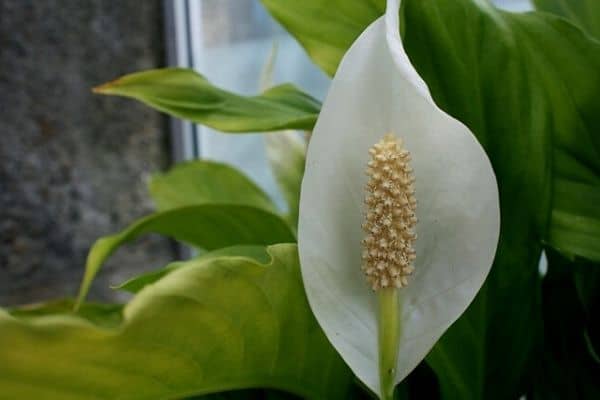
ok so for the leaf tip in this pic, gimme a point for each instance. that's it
(106, 88)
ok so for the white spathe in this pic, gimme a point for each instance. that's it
(376, 90)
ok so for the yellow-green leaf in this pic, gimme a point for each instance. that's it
(202, 182)
(210, 326)
(207, 226)
(326, 29)
(186, 94)
(137, 283)
(287, 155)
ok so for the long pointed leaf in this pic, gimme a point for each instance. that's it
(208, 226)
(186, 94)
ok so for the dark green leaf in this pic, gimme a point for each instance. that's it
(583, 13)
(587, 283)
(421, 383)
(210, 326)
(545, 141)
(185, 94)
(574, 227)
(207, 226)
(286, 153)
(565, 369)
(201, 182)
(326, 29)
(527, 86)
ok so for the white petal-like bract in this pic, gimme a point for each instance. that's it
(375, 91)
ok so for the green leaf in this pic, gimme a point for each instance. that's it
(583, 13)
(286, 153)
(210, 326)
(102, 315)
(527, 86)
(249, 394)
(565, 368)
(201, 182)
(574, 227)
(587, 283)
(207, 226)
(552, 148)
(325, 29)
(186, 94)
(134, 285)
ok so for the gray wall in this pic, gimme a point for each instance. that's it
(73, 164)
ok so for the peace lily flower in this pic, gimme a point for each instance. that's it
(399, 214)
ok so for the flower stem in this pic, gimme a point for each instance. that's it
(389, 335)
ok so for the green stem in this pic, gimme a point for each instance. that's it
(389, 339)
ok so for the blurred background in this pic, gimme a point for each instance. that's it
(73, 165)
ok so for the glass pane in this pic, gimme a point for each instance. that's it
(230, 42)
(514, 5)
(233, 41)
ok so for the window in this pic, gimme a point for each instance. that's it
(514, 5)
(230, 42)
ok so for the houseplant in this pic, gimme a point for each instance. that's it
(237, 317)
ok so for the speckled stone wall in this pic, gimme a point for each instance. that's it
(72, 164)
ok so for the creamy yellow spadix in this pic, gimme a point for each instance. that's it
(390, 216)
